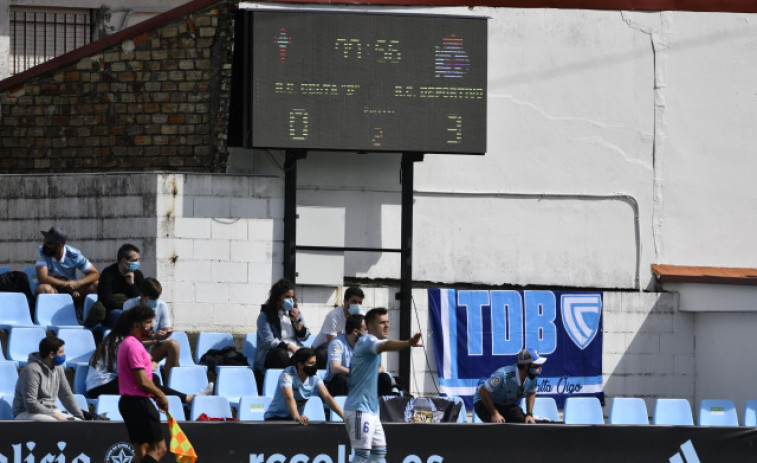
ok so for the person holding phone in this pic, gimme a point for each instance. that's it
(159, 345)
(281, 329)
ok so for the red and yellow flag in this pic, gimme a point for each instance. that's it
(180, 445)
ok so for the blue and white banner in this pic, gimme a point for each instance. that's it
(477, 331)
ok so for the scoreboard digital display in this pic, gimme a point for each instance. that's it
(369, 82)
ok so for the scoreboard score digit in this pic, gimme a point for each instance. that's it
(369, 82)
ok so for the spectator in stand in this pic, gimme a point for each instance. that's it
(281, 330)
(333, 324)
(159, 345)
(340, 351)
(118, 282)
(102, 377)
(43, 380)
(56, 269)
(297, 383)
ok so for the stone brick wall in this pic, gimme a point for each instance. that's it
(156, 101)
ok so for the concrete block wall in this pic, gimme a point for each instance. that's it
(219, 248)
(99, 212)
(649, 348)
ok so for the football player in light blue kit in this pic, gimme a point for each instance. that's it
(361, 407)
(496, 400)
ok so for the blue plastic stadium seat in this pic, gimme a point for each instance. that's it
(5, 269)
(89, 301)
(185, 351)
(55, 311)
(4, 360)
(107, 404)
(22, 342)
(717, 412)
(233, 383)
(339, 399)
(8, 378)
(207, 341)
(189, 380)
(270, 381)
(750, 413)
(175, 407)
(673, 412)
(79, 347)
(80, 379)
(212, 405)
(545, 408)
(249, 347)
(583, 410)
(14, 311)
(462, 417)
(6, 406)
(628, 410)
(314, 409)
(31, 272)
(81, 401)
(253, 408)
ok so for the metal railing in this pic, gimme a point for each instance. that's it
(40, 34)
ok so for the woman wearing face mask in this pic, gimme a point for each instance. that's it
(297, 383)
(281, 330)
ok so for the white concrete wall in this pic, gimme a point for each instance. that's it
(610, 134)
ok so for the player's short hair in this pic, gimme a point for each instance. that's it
(138, 314)
(151, 288)
(373, 314)
(353, 322)
(302, 355)
(125, 250)
(49, 344)
(353, 291)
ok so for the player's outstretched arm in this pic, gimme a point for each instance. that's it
(392, 345)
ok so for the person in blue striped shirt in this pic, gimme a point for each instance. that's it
(361, 406)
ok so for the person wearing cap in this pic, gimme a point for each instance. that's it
(56, 268)
(497, 399)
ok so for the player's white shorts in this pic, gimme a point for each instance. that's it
(364, 429)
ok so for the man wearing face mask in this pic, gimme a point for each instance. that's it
(158, 345)
(118, 282)
(340, 353)
(496, 400)
(333, 324)
(56, 267)
(41, 381)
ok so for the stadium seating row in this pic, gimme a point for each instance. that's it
(633, 411)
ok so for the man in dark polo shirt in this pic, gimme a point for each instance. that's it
(118, 282)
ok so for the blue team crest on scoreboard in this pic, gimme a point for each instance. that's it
(581, 314)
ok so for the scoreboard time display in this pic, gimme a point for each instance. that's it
(369, 82)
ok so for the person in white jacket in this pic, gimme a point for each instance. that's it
(43, 380)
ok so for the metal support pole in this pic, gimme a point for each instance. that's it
(290, 212)
(406, 262)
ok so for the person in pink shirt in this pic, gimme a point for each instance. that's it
(136, 387)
